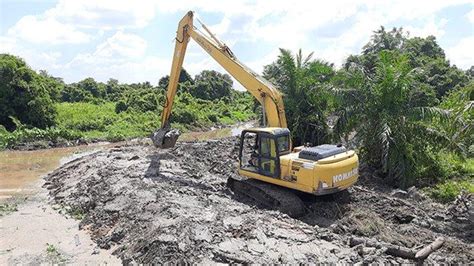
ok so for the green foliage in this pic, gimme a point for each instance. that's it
(183, 77)
(24, 135)
(121, 106)
(24, 94)
(305, 83)
(7, 208)
(396, 133)
(460, 130)
(434, 71)
(210, 85)
(449, 190)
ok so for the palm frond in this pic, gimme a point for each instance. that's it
(428, 113)
(385, 141)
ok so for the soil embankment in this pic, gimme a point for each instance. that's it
(32, 231)
(149, 205)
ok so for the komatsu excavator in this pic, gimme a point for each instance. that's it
(270, 169)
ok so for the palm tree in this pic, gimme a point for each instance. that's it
(304, 83)
(394, 130)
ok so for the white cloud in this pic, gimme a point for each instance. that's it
(121, 47)
(48, 30)
(431, 27)
(461, 54)
(46, 60)
(470, 16)
(121, 56)
(104, 14)
(68, 20)
(121, 44)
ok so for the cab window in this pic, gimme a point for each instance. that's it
(283, 143)
(268, 157)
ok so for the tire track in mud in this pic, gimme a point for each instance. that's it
(152, 205)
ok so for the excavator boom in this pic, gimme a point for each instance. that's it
(261, 89)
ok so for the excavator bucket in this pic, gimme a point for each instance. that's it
(165, 138)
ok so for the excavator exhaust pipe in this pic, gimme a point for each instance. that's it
(165, 138)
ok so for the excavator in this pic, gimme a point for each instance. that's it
(271, 171)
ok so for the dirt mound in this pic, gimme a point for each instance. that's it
(152, 205)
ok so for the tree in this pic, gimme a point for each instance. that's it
(425, 54)
(113, 89)
(305, 85)
(23, 95)
(211, 85)
(394, 130)
(97, 90)
(470, 72)
(53, 85)
(183, 77)
(73, 93)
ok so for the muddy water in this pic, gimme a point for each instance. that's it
(20, 169)
(216, 133)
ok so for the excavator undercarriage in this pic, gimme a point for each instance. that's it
(268, 195)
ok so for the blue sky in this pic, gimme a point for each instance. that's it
(132, 41)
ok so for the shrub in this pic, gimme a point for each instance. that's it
(23, 94)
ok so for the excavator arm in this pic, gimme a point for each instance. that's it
(261, 89)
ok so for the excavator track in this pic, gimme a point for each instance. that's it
(271, 196)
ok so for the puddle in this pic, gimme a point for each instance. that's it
(216, 133)
(20, 169)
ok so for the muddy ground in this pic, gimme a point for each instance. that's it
(149, 205)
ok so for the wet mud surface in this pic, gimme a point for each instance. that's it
(149, 205)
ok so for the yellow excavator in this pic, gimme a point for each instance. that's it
(271, 171)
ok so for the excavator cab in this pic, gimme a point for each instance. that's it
(261, 148)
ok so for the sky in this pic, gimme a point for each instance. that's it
(132, 41)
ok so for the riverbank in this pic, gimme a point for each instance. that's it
(216, 131)
(35, 232)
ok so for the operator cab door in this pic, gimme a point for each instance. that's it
(259, 154)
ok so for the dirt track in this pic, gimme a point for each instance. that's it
(152, 205)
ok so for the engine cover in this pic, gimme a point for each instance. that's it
(321, 152)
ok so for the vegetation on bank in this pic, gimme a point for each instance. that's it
(400, 102)
(39, 107)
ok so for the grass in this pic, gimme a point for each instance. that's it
(89, 121)
(7, 208)
(73, 212)
(458, 178)
(54, 255)
(450, 189)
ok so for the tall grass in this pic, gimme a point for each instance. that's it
(89, 121)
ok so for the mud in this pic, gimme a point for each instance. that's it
(150, 205)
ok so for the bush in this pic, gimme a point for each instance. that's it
(121, 106)
(449, 190)
(24, 94)
(24, 135)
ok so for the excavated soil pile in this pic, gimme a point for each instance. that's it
(152, 205)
